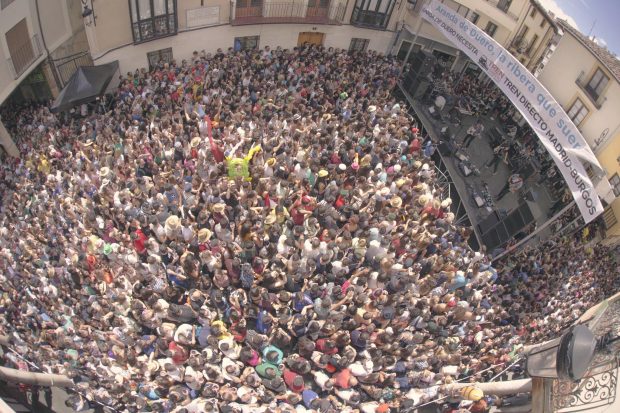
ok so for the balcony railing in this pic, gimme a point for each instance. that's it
(503, 5)
(597, 100)
(289, 12)
(24, 55)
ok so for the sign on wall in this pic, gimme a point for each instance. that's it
(203, 16)
(546, 117)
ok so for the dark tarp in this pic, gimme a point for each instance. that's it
(85, 85)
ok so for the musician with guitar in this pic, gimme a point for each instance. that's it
(500, 153)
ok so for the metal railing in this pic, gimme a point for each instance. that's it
(290, 12)
(582, 82)
(24, 55)
(67, 65)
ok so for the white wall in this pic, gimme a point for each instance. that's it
(211, 38)
(56, 28)
(559, 75)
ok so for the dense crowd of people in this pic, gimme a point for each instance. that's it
(260, 231)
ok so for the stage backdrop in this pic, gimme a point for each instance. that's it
(546, 117)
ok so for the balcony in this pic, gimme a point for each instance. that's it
(24, 55)
(522, 47)
(597, 100)
(313, 12)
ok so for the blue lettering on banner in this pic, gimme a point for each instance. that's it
(557, 133)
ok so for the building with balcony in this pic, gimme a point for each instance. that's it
(139, 33)
(41, 43)
(523, 27)
(585, 79)
(533, 36)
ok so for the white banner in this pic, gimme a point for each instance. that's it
(546, 117)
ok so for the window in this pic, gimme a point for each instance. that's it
(23, 48)
(533, 13)
(491, 29)
(159, 56)
(454, 5)
(358, 45)
(615, 184)
(473, 17)
(5, 3)
(577, 112)
(246, 43)
(542, 23)
(597, 84)
(152, 19)
(374, 14)
(521, 36)
(504, 5)
(532, 44)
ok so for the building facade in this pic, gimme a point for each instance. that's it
(585, 80)
(523, 27)
(39, 42)
(139, 33)
(533, 36)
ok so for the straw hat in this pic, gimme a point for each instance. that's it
(372, 108)
(323, 173)
(204, 235)
(196, 142)
(105, 173)
(423, 200)
(173, 223)
(396, 202)
(219, 207)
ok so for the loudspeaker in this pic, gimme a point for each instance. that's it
(416, 86)
(421, 88)
(445, 148)
(504, 229)
(486, 224)
(422, 63)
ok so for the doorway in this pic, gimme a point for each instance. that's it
(314, 38)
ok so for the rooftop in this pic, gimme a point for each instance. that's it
(608, 59)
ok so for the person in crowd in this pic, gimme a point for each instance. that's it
(473, 132)
(513, 184)
(258, 231)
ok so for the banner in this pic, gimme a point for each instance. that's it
(552, 125)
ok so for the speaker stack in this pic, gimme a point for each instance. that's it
(422, 65)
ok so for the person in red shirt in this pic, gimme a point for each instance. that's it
(139, 241)
(301, 208)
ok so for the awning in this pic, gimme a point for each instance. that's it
(85, 85)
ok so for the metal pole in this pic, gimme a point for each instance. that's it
(498, 388)
(537, 231)
(38, 379)
(415, 37)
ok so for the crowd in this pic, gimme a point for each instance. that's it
(260, 231)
